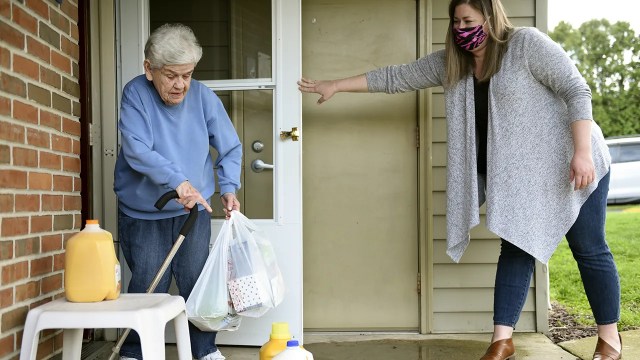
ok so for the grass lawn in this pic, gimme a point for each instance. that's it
(623, 236)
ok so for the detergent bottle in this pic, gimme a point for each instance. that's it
(293, 351)
(277, 341)
(91, 271)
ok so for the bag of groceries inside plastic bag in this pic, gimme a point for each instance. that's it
(255, 282)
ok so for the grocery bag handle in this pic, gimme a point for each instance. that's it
(193, 214)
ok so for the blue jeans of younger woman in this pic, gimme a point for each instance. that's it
(145, 244)
(590, 250)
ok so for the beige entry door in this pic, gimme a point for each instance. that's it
(360, 172)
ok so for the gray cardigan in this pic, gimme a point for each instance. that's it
(533, 99)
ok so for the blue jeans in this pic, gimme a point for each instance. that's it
(590, 250)
(145, 244)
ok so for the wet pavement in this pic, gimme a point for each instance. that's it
(406, 347)
(397, 349)
(529, 346)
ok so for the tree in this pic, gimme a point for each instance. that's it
(608, 56)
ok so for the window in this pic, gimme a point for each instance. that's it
(235, 35)
(629, 153)
(621, 153)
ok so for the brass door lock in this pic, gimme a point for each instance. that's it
(293, 134)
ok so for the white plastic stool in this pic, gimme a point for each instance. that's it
(147, 314)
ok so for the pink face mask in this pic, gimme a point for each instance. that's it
(469, 38)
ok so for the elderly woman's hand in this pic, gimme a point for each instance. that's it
(188, 196)
(230, 203)
(326, 88)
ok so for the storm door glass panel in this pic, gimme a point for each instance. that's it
(236, 39)
(251, 112)
(235, 35)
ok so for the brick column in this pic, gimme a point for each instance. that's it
(40, 203)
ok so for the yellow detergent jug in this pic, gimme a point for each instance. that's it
(277, 341)
(91, 271)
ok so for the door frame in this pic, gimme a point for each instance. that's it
(102, 128)
(425, 174)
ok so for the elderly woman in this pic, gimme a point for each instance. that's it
(168, 122)
(521, 138)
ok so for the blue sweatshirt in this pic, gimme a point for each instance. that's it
(162, 146)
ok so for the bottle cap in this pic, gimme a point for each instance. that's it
(293, 343)
(280, 331)
(92, 222)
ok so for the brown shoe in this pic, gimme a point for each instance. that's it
(501, 350)
(604, 351)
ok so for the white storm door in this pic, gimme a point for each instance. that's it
(284, 229)
(251, 60)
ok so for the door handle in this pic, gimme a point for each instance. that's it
(259, 165)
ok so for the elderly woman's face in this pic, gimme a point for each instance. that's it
(171, 81)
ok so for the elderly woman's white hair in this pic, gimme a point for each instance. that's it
(172, 44)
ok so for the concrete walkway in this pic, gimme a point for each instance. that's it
(583, 348)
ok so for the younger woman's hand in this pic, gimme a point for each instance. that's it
(326, 88)
(582, 170)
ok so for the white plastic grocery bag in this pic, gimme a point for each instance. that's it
(255, 282)
(209, 307)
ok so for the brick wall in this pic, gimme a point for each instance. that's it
(40, 203)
